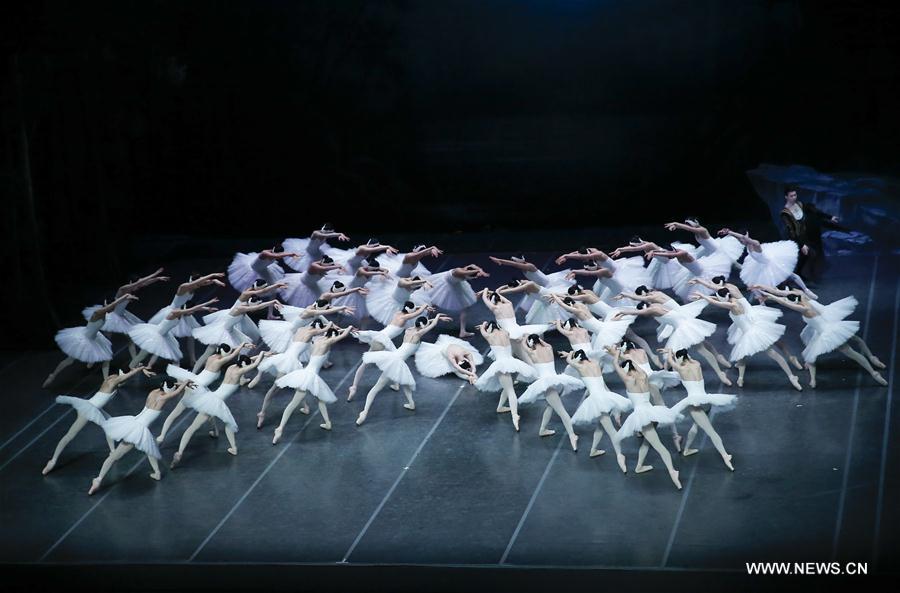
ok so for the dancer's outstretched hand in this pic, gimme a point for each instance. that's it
(723, 231)
(564, 353)
(671, 226)
(695, 296)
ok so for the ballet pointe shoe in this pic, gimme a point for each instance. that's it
(48, 380)
(724, 379)
(740, 382)
(674, 475)
(689, 452)
(642, 469)
(879, 379)
(328, 364)
(723, 362)
(503, 410)
(877, 363)
(597, 452)
(812, 383)
(676, 440)
(260, 418)
(795, 382)
(214, 433)
(305, 410)
(48, 468)
(546, 432)
(156, 476)
(409, 406)
(395, 387)
(350, 393)
(515, 421)
(95, 485)
(361, 418)
(727, 459)
(176, 459)
(232, 450)
(620, 458)
(277, 436)
(325, 426)
(573, 440)
(796, 362)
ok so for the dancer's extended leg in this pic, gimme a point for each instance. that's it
(76, 427)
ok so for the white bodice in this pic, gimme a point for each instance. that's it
(260, 265)
(166, 325)
(147, 416)
(358, 281)
(121, 306)
(225, 390)
(181, 299)
(407, 349)
(600, 309)
(592, 324)
(639, 399)
(92, 327)
(817, 323)
(296, 348)
(230, 321)
(206, 377)
(315, 362)
(400, 295)
(101, 398)
(694, 387)
(595, 384)
(501, 352)
(545, 369)
(405, 270)
(391, 331)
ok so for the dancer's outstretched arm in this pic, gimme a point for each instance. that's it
(745, 239)
(142, 283)
(696, 296)
(523, 265)
(101, 311)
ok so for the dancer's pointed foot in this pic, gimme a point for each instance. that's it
(503, 409)
(325, 426)
(260, 417)
(395, 387)
(546, 432)
(350, 393)
(254, 382)
(795, 382)
(727, 459)
(621, 460)
(156, 476)
(49, 467)
(689, 452)
(232, 450)
(277, 436)
(243, 381)
(723, 362)
(796, 362)
(409, 406)
(676, 439)
(328, 364)
(674, 475)
(95, 485)
(740, 382)
(724, 379)
(879, 379)
(642, 469)
(515, 421)
(305, 409)
(48, 380)
(214, 433)
(812, 383)
(361, 418)
(876, 363)
(573, 440)
(597, 452)
(176, 459)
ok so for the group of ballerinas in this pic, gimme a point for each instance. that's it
(376, 284)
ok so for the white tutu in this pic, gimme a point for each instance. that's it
(728, 245)
(548, 379)
(643, 414)
(278, 334)
(662, 272)
(432, 361)
(212, 403)
(184, 327)
(85, 343)
(134, 430)
(555, 281)
(285, 362)
(771, 267)
(302, 289)
(385, 298)
(661, 379)
(826, 335)
(117, 321)
(247, 326)
(506, 365)
(355, 300)
(310, 249)
(247, 268)
(204, 379)
(706, 267)
(629, 272)
(150, 338)
(308, 380)
(541, 311)
(91, 409)
(761, 313)
(753, 335)
(606, 333)
(222, 331)
(836, 311)
(516, 331)
(697, 396)
(383, 337)
(684, 329)
(393, 365)
(448, 292)
(600, 400)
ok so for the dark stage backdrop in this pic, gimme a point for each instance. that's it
(265, 118)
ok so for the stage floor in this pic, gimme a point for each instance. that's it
(452, 484)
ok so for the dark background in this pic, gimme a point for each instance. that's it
(226, 120)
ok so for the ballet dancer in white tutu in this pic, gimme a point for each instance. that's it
(659, 380)
(549, 386)
(159, 340)
(306, 381)
(279, 365)
(226, 328)
(311, 249)
(405, 265)
(579, 338)
(133, 432)
(222, 357)
(536, 310)
(120, 320)
(730, 246)
(626, 273)
(605, 332)
(86, 343)
(357, 288)
(451, 291)
(247, 326)
(387, 295)
(279, 333)
(505, 314)
(499, 375)
(644, 417)
(392, 364)
(247, 268)
(353, 259)
(828, 331)
(753, 330)
(211, 404)
(769, 263)
(600, 403)
(186, 323)
(91, 410)
(383, 339)
(692, 378)
(689, 267)
(448, 355)
(304, 288)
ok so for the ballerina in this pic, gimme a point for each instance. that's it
(91, 410)
(222, 357)
(730, 246)
(286, 362)
(452, 292)
(499, 375)
(828, 332)
(247, 268)
(304, 288)
(383, 339)
(246, 326)
(659, 380)
(753, 330)
(598, 405)
(604, 332)
(225, 329)
(120, 320)
(448, 355)
(404, 265)
(211, 404)
(86, 343)
(279, 333)
(354, 259)
(536, 310)
(708, 266)
(187, 323)
(158, 339)
(692, 378)
(389, 295)
(393, 364)
(578, 337)
(505, 315)
(626, 274)
(549, 386)
(307, 381)
(134, 432)
(645, 417)
(311, 249)
(356, 291)
(768, 263)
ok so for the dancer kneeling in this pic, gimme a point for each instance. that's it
(448, 355)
